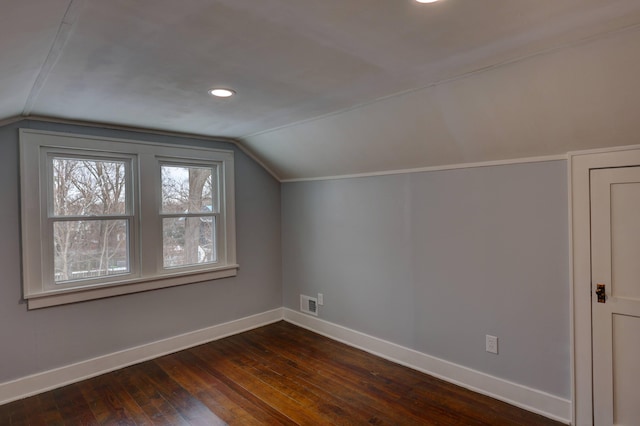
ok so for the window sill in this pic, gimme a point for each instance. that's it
(72, 295)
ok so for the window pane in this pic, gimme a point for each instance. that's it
(188, 189)
(84, 187)
(90, 248)
(188, 241)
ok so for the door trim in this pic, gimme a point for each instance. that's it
(579, 166)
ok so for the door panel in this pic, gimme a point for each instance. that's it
(615, 262)
(625, 240)
(626, 374)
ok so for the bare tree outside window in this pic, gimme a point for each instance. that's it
(103, 217)
(89, 202)
(189, 207)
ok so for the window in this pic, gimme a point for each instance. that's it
(189, 214)
(90, 214)
(104, 217)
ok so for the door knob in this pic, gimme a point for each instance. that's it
(601, 292)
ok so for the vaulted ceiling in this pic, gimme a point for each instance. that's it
(335, 87)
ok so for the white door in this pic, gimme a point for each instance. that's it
(615, 263)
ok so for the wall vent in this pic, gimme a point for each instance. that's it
(309, 305)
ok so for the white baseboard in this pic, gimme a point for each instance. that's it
(52, 379)
(530, 399)
(521, 396)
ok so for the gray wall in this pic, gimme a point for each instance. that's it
(435, 261)
(432, 261)
(38, 340)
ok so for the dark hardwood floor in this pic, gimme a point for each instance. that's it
(278, 374)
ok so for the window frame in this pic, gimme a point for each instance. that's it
(48, 217)
(146, 270)
(220, 219)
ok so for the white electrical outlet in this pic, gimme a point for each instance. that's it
(492, 344)
(320, 299)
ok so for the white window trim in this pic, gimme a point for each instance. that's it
(149, 274)
(46, 203)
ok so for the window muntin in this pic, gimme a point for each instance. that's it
(103, 199)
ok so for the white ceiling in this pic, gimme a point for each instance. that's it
(335, 87)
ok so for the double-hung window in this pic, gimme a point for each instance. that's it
(190, 214)
(104, 217)
(89, 217)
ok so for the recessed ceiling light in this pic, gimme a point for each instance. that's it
(426, 1)
(221, 93)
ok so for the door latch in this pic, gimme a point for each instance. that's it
(601, 293)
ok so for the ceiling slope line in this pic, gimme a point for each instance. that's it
(60, 40)
(242, 147)
(481, 70)
(489, 163)
(248, 152)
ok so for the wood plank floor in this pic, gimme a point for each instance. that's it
(277, 375)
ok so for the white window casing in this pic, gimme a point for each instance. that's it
(141, 210)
